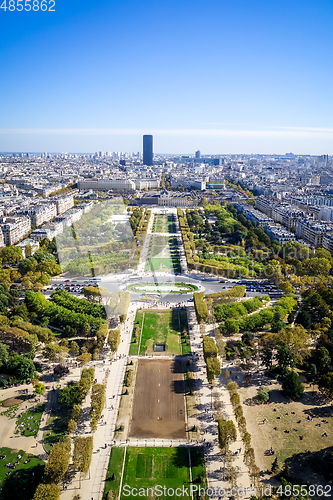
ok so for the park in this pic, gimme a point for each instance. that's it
(159, 331)
(163, 254)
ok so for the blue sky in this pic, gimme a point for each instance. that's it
(220, 76)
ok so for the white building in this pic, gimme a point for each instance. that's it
(107, 184)
(14, 229)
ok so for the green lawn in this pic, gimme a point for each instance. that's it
(163, 264)
(163, 254)
(21, 480)
(164, 224)
(150, 466)
(31, 420)
(113, 476)
(162, 327)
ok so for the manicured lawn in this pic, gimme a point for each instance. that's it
(113, 476)
(150, 466)
(164, 224)
(21, 479)
(163, 264)
(163, 254)
(162, 327)
(29, 422)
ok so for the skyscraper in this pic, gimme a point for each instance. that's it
(197, 154)
(148, 150)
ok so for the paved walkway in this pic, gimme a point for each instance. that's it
(208, 396)
(93, 485)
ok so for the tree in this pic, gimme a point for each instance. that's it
(60, 371)
(266, 356)
(74, 348)
(83, 448)
(55, 353)
(285, 356)
(325, 385)
(47, 492)
(226, 374)
(3, 353)
(72, 425)
(11, 254)
(313, 373)
(76, 412)
(70, 396)
(226, 433)
(292, 385)
(57, 465)
(323, 359)
(286, 286)
(84, 358)
(22, 367)
(263, 395)
(39, 388)
(28, 250)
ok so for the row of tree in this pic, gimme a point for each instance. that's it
(201, 308)
(72, 322)
(237, 309)
(213, 365)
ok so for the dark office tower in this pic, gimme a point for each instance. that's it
(197, 155)
(148, 150)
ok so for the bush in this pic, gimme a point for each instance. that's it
(263, 395)
(291, 385)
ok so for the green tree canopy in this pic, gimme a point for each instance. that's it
(292, 386)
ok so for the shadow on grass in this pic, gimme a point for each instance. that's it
(22, 483)
(306, 467)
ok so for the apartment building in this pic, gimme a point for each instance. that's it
(326, 214)
(279, 234)
(264, 206)
(313, 233)
(106, 184)
(69, 217)
(40, 213)
(63, 203)
(49, 230)
(258, 218)
(146, 183)
(328, 242)
(14, 229)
